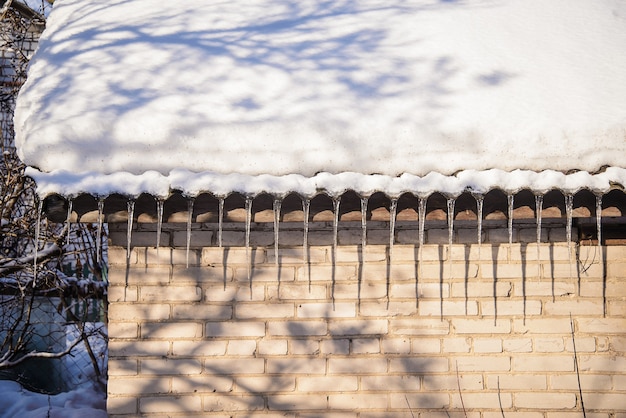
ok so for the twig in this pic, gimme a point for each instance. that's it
(458, 383)
(409, 405)
(500, 399)
(580, 390)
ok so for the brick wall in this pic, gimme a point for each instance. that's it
(365, 336)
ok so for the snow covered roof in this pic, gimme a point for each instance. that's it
(147, 96)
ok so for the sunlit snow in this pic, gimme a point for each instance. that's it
(281, 88)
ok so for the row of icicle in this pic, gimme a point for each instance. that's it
(306, 204)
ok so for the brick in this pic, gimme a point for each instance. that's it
(583, 345)
(129, 311)
(141, 275)
(335, 346)
(224, 366)
(546, 288)
(457, 345)
(424, 290)
(487, 345)
(517, 382)
(450, 382)
(425, 345)
(299, 347)
(601, 325)
(232, 403)
(355, 365)
(365, 346)
(480, 326)
(199, 348)
(353, 254)
(549, 345)
(327, 384)
(391, 309)
(121, 405)
(552, 400)
(358, 327)
(483, 400)
(299, 291)
(448, 308)
(241, 292)
(273, 347)
(235, 329)
(542, 326)
(326, 310)
(388, 383)
(266, 274)
(171, 331)
(425, 326)
(325, 273)
(139, 348)
(358, 401)
(596, 363)
(418, 364)
(415, 401)
(539, 364)
(264, 310)
(510, 307)
(295, 402)
(483, 363)
(297, 328)
(595, 382)
(122, 293)
(482, 289)
(122, 367)
(396, 345)
(173, 367)
(229, 255)
(197, 275)
(170, 294)
(574, 307)
(241, 348)
(201, 384)
(265, 384)
(518, 345)
(138, 386)
(202, 311)
(123, 330)
(296, 365)
(198, 238)
(362, 291)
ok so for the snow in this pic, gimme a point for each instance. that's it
(295, 96)
(86, 399)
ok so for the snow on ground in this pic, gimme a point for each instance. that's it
(86, 399)
(281, 88)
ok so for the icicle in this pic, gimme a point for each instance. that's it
(36, 241)
(277, 206)
(70, 204)
(189, 219)
(130, 205)
(599, 225)
(510, 198)
(569, 208)
(480, 200)
(393, 207)
(306, 208)
(539, 209)
(220, 221)
(160, 204)
(248, 222)
(363, 226)
(99, 230)
(421, 213)
(336, 202)
(451, 203)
